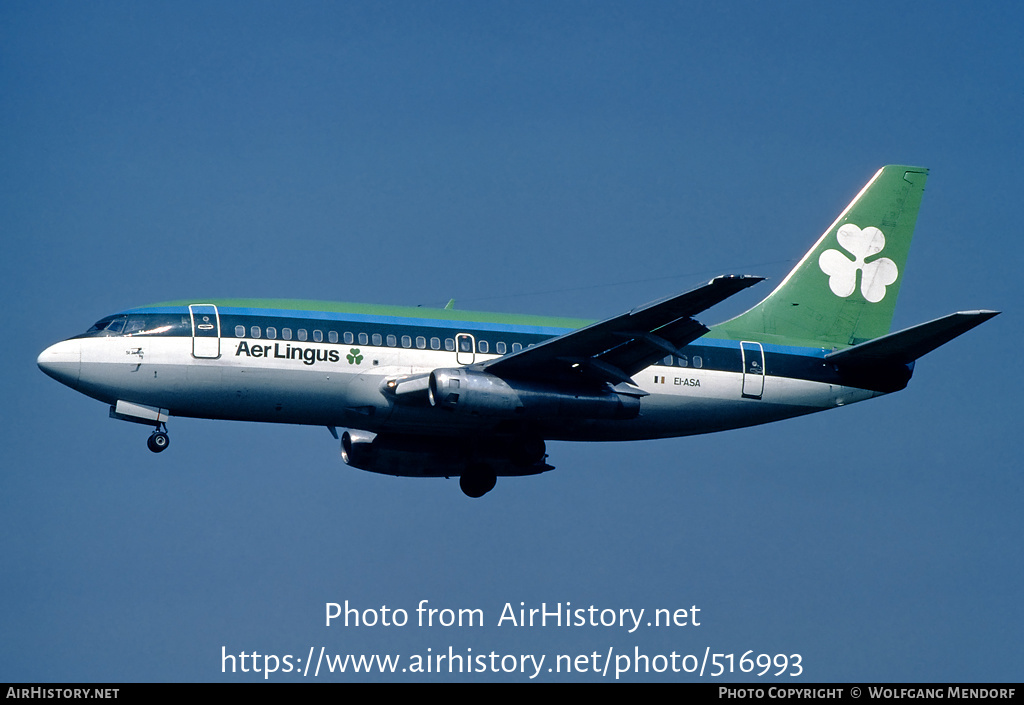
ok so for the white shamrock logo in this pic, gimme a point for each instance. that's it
(842, 273)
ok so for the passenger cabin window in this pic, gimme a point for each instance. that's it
(500, 347)
(332, 336)
(406, 341)
(421, 342)
(349, 338)
(254, 331)
(482, 346)
(697, 361)
(318, 336)
(239, 331)
(435, 343)
(449, 344)
(271, 332)
(302, 334)
(516, 347)
(376, 339)
(364, 339)
(286, 333)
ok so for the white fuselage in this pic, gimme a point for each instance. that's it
(313, 383)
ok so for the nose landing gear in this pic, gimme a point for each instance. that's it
(159, 440)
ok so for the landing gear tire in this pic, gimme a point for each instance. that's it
(158, 441)
(477, 481)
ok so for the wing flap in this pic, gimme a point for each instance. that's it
(644, 349)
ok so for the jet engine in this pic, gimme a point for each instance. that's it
(466, 391)
(430, 456)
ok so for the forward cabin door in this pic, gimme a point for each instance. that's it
(753, 370)
(205, 330)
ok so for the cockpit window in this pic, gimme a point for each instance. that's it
(135, 325)
(112, 325)
(143, 324)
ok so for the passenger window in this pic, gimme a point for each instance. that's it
(271, 332)
(667, 361)
(364, 339)
(376, 339)
(239, 331)
(435, 343)
(348, 338)
(286, 333)
(697, 361)
(302, 334)
(421, 342)
(449, 344)
(500, 347)
(681, 361)
(406, 341)
(318, 336)
(332, 336)
(254, 331)
(392, 341)
(482, 346)
(516, 347)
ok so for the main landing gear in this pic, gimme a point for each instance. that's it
(477, 480)
(159, 440)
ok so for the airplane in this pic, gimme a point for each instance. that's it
(426, 392)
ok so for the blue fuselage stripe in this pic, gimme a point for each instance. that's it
(704, 353)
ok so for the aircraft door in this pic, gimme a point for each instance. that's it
(465, 349)
(205, 330)
(753, 369)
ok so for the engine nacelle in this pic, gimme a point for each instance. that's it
(472, 392)
(410, 456)
(429, 456)
(476, 393)
(357, 448)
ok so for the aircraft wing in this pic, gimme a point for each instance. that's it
(617, 348)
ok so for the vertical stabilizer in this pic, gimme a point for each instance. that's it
(844, 290)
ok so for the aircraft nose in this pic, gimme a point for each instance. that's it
(62, 361)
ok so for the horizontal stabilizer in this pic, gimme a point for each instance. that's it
(905, 346)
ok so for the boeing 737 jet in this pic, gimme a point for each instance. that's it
(442, 393)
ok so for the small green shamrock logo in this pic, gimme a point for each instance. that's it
(354, 358)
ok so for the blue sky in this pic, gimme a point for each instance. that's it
(572, 159)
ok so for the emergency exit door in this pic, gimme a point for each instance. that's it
(753, 370)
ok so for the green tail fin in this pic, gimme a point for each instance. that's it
(843, 291)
